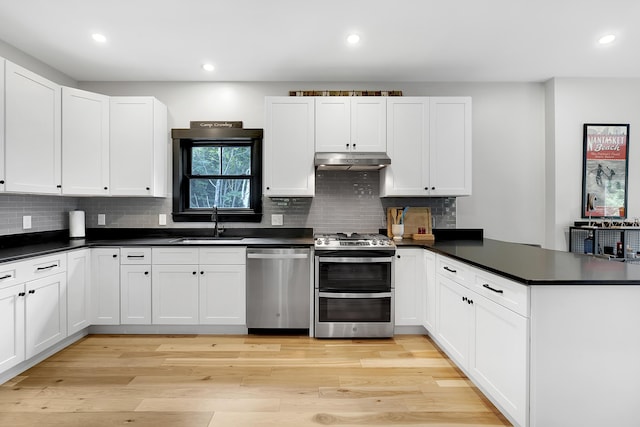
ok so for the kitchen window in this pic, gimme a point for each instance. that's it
(219, 172)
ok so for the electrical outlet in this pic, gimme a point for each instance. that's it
(162, 219)
(26, 222)
(277, 219)
(101, 219)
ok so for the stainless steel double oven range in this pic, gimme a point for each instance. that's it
(354, 286)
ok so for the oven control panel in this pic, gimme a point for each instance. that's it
(347, 241)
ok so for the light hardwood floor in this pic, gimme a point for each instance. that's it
(235, 381)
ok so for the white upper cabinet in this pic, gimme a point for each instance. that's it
(85, 143)
(289, 147)
(407, 146)
(450, 146)
(138, 147)
(32, 132)
(429, 143)
(348, 123)
(2, 173)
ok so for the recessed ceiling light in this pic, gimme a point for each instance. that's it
(607, 39)
(353, 39)
(208, 67)
(100, 38)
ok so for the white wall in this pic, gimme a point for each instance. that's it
(508, 138)
(576, 102)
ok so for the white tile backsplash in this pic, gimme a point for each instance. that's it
(344, 201)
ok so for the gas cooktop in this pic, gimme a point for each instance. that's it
(352, 240)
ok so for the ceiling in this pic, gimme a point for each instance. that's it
(304, 40)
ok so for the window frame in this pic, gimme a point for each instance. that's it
(183, 140)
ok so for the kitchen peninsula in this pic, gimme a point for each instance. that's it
(579, 316)
(575, 343)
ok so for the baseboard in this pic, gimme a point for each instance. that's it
(169, 329)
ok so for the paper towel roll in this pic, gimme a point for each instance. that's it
(76, 224)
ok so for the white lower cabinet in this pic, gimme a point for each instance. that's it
(199, 285)
(135, 294)
(45, 313)
(174, 295)
(484, 335)
(78, 290)
(222, 294)
(409, 286)
(135, 286)
(454, 320)
(11, 326)
(105, 286)
(498, 356)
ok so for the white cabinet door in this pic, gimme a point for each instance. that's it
(453, 322)
(45, 313)
(498, 358)
(32, 132)
(11, 326)
(135, 294)
(2, 148)
(408, 147)
(105, 286)
(85, 143)
(138, 145)
(78, 290)
(450, 146)
(409, 286)
(333, 123)
(289, 147)
(369, 124)
(175, 294)
(223, 294)
(429, 299)
(347, 123)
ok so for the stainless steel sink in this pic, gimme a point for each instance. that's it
(205, 240)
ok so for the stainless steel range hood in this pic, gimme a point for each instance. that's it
(351, 161)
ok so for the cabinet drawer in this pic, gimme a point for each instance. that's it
(454, 270)
(35, 268)
(9, 275)
(174, 255)
(505, 292)
(223, 255)
(135, 255)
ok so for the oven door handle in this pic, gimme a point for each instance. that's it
(354, 260)
(354, 296)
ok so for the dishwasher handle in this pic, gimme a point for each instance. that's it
(277, 256)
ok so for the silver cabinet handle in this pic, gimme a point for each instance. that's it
(354, 296)
(278, 256)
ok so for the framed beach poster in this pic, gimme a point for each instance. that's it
(605, 170)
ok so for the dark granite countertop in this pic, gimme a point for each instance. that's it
(18, 247)
(532, 265)
(523, 263)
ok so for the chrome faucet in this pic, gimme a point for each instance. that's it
(214, 219)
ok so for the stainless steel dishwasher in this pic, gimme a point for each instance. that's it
(278, 288)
